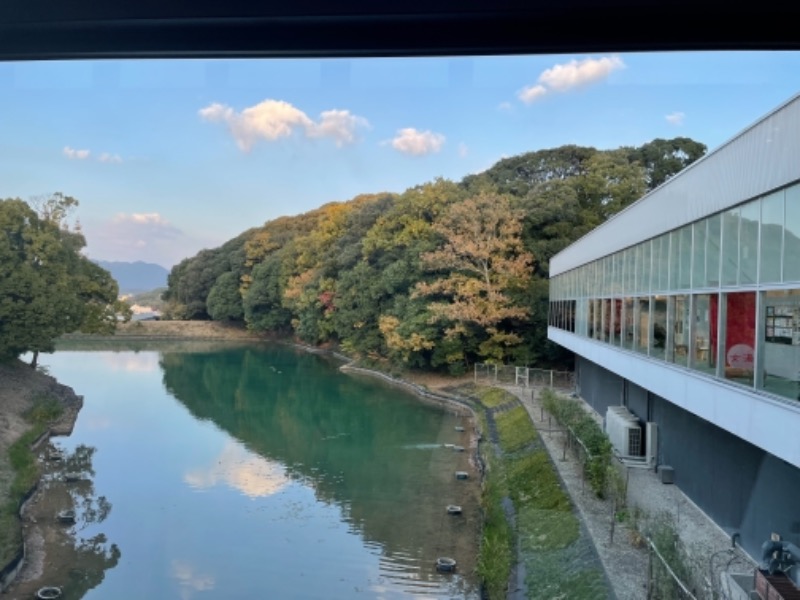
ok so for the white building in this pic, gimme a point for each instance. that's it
(685, 307)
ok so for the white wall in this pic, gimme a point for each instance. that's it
(770, 424)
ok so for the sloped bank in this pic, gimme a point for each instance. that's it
(33, 407)
(534, 545)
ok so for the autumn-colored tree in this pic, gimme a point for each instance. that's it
(481, 261)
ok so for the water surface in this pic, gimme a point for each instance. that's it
(265, 472)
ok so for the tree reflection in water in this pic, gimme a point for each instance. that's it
(71, 561)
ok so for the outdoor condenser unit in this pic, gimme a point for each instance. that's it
(624, 431)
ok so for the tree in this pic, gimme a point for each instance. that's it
(661, 159)
(480, 262)
(47, 287)
(224, 300)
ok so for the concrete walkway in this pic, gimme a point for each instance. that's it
(626, 563)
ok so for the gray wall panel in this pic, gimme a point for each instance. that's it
(600, 388)
(637, 400)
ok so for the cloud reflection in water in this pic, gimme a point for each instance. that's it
(248, 473)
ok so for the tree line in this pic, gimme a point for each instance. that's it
(47, 286)
(437, 277)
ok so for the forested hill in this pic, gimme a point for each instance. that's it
(442, 275)
(136, 277)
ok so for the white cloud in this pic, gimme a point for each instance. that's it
(571, 75)
(531, 93)
(74, 154)
(675, 118)
(152, 219)
(505, 106)
(417, 143)
(271, 120)
(463, 150)
(107, 157)
(562, 78)
(340, 125)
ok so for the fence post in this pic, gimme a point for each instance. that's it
(475, 372)
(495, 372)
(551, 379)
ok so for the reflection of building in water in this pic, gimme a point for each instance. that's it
(685, 307)
(242, 470)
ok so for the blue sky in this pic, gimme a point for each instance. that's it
(169, 157)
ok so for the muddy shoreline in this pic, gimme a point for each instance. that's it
(20, 387)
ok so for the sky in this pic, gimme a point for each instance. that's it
(167, 157)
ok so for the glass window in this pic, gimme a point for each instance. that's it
(643, 268)
(605, 318)
(791, 241)
(679, 345)
(618, 263)
(781, 348)
(617, 319)
(603, 276)
(630, 270)
(739, 336)
(730, 246)
(771, 237)
(685, 271)
(643, 325)
(674, 259)
(713, 250)
(699, 257)
(704, 353)
(571, 316)
(748, 242)
(659, 321)
(661, 263)
(629, 320)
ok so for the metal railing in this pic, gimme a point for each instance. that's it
(527, 377)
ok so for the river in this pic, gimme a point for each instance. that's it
(262, 471)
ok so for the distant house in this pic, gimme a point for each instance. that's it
(685, 308)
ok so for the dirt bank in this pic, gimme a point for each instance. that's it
(176, 330)
(20, 388)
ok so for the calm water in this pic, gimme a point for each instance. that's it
(264, 472)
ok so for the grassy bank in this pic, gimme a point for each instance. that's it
(25, 474)
(545, 536)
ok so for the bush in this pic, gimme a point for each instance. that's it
(569, 414)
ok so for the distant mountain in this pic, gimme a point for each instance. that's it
(136, 277)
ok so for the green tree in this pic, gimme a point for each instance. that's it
(47, 287)
(661, 159)
(224, 300)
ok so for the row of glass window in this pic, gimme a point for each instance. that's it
(750, 338)
(756, 242)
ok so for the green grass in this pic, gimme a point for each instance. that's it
(26, 473)
(569, 413)
(497, 541)
(515, 429)
(546, 525)
(492, 397)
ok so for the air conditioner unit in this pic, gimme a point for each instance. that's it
(624, 431)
